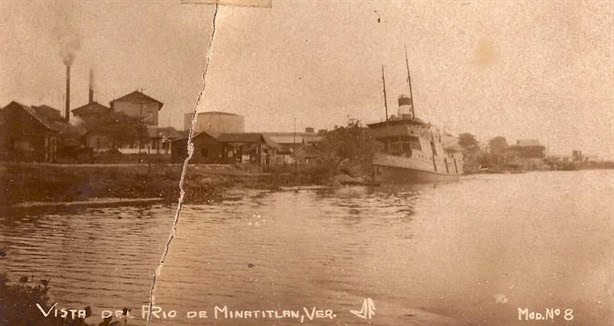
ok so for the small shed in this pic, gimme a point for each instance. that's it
(245, 147)
(206, 149)
(160, 138)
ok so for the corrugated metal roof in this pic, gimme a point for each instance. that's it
(272, 143)
(286, 139)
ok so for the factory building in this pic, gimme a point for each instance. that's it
(527, 149)
(139, 105)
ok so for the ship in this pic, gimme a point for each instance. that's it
(412, 150)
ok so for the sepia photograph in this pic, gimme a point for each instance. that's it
(306, 162)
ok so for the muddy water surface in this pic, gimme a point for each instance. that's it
(470, 252)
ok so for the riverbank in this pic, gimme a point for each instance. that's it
(21, 183)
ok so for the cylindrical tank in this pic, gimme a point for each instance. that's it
(215, 122)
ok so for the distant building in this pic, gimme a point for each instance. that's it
(216, 142)
(591, 158)
(307, 153)
(49, 113)
(91, 110)
(304, 143)
(228, 148)
(247, 147)
(137, 104)
(527, 148)
(215, 123)
(160, 139)
(206, 149)
(98, 140)
(290, 139)
(30, 133)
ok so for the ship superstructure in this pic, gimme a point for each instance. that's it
(413, 150)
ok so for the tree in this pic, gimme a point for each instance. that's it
(120, 128)
(497, 145)
(348, 145)
(468, 142)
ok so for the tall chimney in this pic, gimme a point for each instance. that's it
(67, 115)
(91, 92)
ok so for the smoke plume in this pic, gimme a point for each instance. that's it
(69, 45)
(66, 31)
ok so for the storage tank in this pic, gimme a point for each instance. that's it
(215, 122)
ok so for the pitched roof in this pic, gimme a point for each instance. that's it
(271, 142)
(92, 106)
(308, 150)
(137, 97)
(198, 134)
(48, 112)
(51, 124)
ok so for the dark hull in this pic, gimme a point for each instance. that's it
(391, 174)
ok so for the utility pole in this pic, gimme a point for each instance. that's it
(294, 145)
(385, 100)
(141, 120)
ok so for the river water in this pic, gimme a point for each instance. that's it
(470, 252)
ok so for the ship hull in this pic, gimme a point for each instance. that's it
(393, 174)
(416, 169)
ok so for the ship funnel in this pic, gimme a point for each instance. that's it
(405, 107)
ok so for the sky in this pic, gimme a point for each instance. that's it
(516, 69)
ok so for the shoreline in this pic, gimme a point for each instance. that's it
(66, 185)
(29, 185)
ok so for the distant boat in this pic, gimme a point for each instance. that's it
(413, 151)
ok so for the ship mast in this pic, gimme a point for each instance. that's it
(411, 95)
(385, 100)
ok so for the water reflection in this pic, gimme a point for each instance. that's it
(456, 253)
